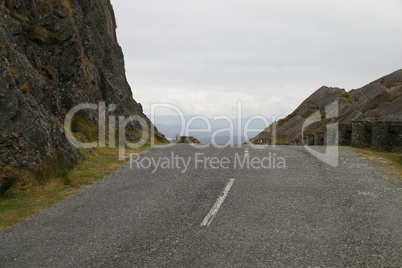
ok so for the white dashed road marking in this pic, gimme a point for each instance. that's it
(208, 219)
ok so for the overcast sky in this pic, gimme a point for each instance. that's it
(205, 56)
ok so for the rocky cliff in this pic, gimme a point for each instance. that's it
(54, 55)
(380, 100)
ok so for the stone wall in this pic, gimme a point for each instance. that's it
(381, 135)
(319, 138)
(387, 135)
(362, 134)
(345, 134)
(309, 139)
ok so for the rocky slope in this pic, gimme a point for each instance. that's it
(379, 100)
(54, 55)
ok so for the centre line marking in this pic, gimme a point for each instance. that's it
(208, 219)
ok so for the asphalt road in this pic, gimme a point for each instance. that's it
(191, 211)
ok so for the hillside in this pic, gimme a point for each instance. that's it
(54, 55)
(380, 100)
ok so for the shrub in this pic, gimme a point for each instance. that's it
(51, 169)
(9, 178)
(6, 184)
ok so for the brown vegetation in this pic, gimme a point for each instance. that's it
(21, 18)
(46, 6)
(3, 50)
(69, 11)
(50, 73)
(14, 72)
(38, 33)
(25, 88)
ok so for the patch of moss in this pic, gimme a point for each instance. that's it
(53, 35)
(283, 121)
(313, 131)
(392, 97)
(346, 95)
(397, 83)
(311, 111)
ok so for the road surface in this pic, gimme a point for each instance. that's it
(230, 207)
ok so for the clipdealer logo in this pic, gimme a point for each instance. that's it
(112, 133)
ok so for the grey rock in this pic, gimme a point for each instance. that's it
(52, 58)
(380, 100)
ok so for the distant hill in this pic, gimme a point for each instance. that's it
(380, 100)
(170, 126)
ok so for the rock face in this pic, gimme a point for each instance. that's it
(187, 139)
(380, 100)
(54, 55)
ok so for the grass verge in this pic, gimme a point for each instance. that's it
(390, 162)
(35, 197)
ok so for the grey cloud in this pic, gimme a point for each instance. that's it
(255, 49)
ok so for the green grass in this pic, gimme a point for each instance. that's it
(84, 127)
(312, 110)
(282, 139)
(51, 168)
(38, 194)
(395, 158)
(346, 95)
